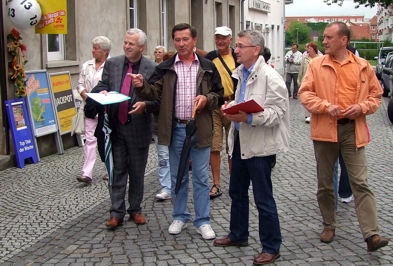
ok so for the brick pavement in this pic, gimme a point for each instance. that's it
(47, 218)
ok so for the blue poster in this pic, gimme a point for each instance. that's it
(40, 101)
(24, 142)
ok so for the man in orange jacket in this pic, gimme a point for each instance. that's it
(340, 89)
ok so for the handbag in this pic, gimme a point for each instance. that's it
(78, 122)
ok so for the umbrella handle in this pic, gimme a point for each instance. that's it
(194, 109)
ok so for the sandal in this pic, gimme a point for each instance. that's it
(216, 192)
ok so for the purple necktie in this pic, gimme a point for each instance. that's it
(125, 89)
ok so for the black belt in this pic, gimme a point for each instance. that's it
(229, 98)
(344, 121)
(181, 121)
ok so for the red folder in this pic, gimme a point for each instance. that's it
(249, 106)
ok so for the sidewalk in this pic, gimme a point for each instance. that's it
(48, 218)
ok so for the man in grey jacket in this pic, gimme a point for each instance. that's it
(253, 139)
(293, 58)
(131, 128)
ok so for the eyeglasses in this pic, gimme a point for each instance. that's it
(243, 46)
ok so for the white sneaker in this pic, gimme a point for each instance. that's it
(206, 231)
(308, 119)
(176, 227)
(163, 195)
(347, 200)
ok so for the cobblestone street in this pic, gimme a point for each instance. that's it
(48, 218)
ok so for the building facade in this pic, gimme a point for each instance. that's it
(268, 17)
(358, 25)
(385, 23)
(58, 53)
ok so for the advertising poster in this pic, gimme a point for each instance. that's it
(54, 17)
(25, 145)
(41, 107)
(19, 117)
(64, 100)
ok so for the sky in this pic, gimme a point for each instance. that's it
(319, 8)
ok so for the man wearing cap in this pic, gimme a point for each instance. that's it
(224, 59)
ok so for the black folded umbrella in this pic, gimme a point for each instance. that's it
(191, 128)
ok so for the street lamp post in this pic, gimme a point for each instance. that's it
(297, 35)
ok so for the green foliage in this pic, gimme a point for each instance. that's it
(366, 3)
(297, 32)
(368, 54)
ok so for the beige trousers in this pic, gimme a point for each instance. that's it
(326, 154)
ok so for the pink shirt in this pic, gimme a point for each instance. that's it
(185, 87)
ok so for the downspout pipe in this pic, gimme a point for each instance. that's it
(242, 15)
(3, 82)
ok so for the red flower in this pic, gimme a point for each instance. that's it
(23, 47)
(15, 33)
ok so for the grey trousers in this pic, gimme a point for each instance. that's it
(326, 154)
(129, 165)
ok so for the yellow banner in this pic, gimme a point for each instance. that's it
(54, 17)
(65, 119)
(60, 82)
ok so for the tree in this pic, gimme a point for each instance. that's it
(366, 3)
(297, 32)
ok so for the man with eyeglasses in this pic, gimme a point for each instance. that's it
(253, 140)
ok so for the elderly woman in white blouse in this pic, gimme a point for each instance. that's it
(89, 76)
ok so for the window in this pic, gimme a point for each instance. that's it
(218, 10)
(55, 46)
(133, 14)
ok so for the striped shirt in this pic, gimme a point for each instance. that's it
(185, 87)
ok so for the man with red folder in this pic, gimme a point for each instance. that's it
(253, 139)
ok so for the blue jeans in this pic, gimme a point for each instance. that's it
(257, 170)
(164, 174)
(200, 179)
(344, 188)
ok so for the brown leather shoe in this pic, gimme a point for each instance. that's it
(227, 242)
(84, 179)
(114, 222)
(138, 218)
(265, 258)
(105, 177)
(376, 242)
(327, 235)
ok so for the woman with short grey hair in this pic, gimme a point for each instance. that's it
(90, 74)
(159, 52)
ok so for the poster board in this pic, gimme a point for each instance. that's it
(63, 99)
(41, 107)
(24, 143)
(40, 103)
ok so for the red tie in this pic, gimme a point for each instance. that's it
(125, 89)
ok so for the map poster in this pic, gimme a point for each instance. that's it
(40, 103)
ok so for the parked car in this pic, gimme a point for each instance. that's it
(383, 52)
(387, 70)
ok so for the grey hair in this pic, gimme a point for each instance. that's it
(255, 38)
(160, 47)
(142, 35)
(103, 42)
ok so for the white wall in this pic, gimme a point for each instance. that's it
(273, 29)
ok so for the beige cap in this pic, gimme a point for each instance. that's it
(224, 31)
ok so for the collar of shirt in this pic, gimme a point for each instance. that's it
(178, 59)
(135, 64)
(247, 72)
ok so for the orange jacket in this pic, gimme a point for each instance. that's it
(319, 89)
